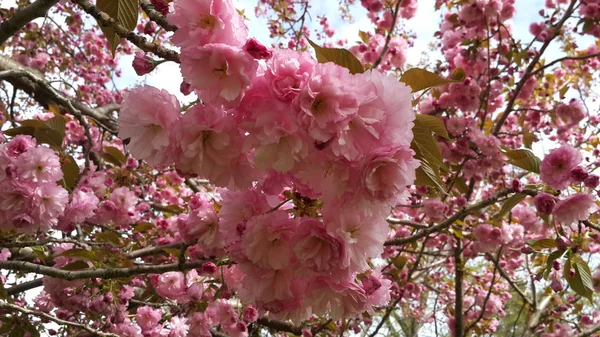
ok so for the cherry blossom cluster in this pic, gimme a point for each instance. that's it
(330, 147)
(31, 197)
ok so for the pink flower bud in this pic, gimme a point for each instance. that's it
(209, 267)
(257, 50)
(160, 6)
(150, 28)
(517, 185)
(250, 314)
(185, 88)
(579, 174)
(544, 203)
(142, 64)
(592, 181)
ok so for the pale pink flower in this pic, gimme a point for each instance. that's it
(316, 249)
(179, 327)
(201, 22)
(385, 117)
(81, 207)
(39, 164)
(146, 118)
(434, 208)
(147, 317)
(127, 329)
(342, 299)
(19, 145)
(4, 254)
(328, 102)
(557, 165)
(574, 208)
(210, 145)
(201, 224)
(386, 173)
(220, 72)
(267, 240)
(237, 207)
(287, 72)
(363, 234)
(171, 285)
(50, 201)
(377, 289)
(544, 203)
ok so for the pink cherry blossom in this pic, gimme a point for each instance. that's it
(574, 208)
(267, 240)
(146, 117)
(557, 165)
(220, 72)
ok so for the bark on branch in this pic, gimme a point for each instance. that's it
(22, 17)
(105, 20)
(108, 273)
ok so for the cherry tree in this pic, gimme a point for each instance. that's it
(306, 185)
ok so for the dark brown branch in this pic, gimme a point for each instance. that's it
(389, 35)
(35, 85)
(156, 16)
(566, 58)
(459, 324)
(21, 287)
(457, 216)
(108, 273)
(280, 326)
(105, 20)
(509, 280)
(46, 316)
(22, 17)
(528, 71)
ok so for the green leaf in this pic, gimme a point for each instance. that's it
(48, 136)
(114, 155)
(400, 261)
(364, 37)
(524, 159)
(426, 177)
(142, 227)
(553, 256)
(563, 91)
(108, 237)
(79, 253)
(418, 79)
(341, 57)
(21, 130)
(510, 203)
(581, 282)
(432, 123)
(39, 252)
(124, 12)
(76, 265)
(70, 171)
(542, 243)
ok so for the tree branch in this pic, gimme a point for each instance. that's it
(21, 287)
(108, 273)
(156, 16)
(389, 35)
(12, 307)
(528, 71)
(459, 324)
(22, 17)
(280, 326)
(35, 85)
(105, 20)
(509, 280)
(457, 216)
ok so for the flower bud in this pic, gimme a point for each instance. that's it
(209, 267)
(257, 50)
(142, 64)
(556, 285)
(517, 185)
(161, 6)
(185, 88)
(592, 181)
(544, 203)
(578, 174)
(250, 314)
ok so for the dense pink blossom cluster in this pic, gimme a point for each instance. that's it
(31, 198)
(336, 144)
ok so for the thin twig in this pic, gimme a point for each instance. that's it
(12, 307)
(22, 17)
(389, 35)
